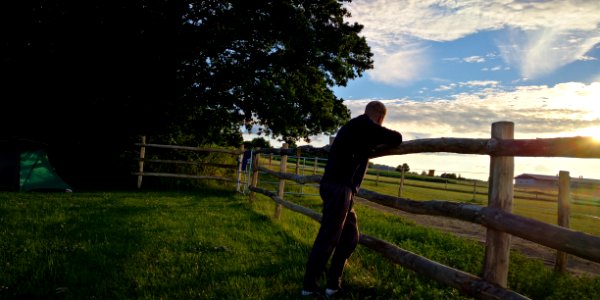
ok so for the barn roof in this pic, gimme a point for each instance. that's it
(536, 176)
(554, 178)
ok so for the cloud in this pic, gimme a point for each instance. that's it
(479, 83)
(586, 58)
(474, 59)
(542, 51)
(443, 88)
(389, 21)
(467, 84)
(537, 111)
(399, 67)
(544, 35)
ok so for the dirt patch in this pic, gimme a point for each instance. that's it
(576, 266)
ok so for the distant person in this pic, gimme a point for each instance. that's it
(346, 166)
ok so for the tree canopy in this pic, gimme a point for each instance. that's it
(191, 72)
(273, 63)
(403, 168)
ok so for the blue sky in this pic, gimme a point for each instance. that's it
(452, 68)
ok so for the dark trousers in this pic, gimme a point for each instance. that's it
(338, 232)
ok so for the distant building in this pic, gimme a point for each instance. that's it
(547, 181)
(534, 180)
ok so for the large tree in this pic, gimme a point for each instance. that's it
(87, 73)
(273, 63)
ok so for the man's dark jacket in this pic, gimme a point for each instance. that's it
(349, 154)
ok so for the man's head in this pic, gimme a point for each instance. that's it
(376, 111)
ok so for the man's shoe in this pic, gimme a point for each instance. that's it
(330, 293)
(312, 294)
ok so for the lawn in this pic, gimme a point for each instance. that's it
(214, 244)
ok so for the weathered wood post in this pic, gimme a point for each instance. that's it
(497, 249)
(298, 153)
(254, 182)
(564, 213)
(316, 165)
(401, 187)
(141, 163)
(281, 191)
(239, 169)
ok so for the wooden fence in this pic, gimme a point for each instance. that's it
(142, 160)
(497, 217)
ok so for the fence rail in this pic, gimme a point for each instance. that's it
(142, 160)
(497, 216)
(464, 282)
(576, 147)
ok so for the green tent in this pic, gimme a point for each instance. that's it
(24, 166)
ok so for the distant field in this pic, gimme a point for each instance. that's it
(539, 204)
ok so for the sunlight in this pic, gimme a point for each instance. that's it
(593, 132)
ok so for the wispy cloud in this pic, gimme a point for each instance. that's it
(544, 35)
(399, 67)
(480, 83)
(587, 58)
(542, 51)
(474, 59)
(495, 69)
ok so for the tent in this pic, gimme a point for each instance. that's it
(24, 166)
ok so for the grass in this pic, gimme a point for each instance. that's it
(214, 244)
(142, 246)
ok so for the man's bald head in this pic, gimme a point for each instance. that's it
(376, 111)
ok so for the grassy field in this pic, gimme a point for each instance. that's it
(532, 203)
(214, 244)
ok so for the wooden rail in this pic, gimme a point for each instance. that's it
(556, 237)
(142, 160)
(576, 147)
(560, 238)
(194, 149)
(464, 282)
(194, 163)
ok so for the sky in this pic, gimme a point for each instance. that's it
(452, 68)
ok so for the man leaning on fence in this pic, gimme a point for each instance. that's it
(346, 167)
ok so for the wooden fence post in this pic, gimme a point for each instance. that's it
(497, 249)
(281, 191)
(239, 169)
(254, 181)
(298, 153)
(141, 163)
(316, 165)
(564, 212)
(401, 187)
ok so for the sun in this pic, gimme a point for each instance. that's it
(593, 132)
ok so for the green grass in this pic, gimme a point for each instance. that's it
(214, 244)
